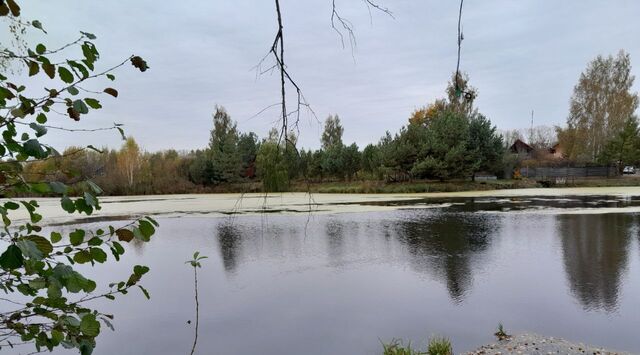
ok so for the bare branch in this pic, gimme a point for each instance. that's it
(337, 21)
(115, 126)
(277, 53)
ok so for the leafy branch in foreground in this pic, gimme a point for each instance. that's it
(46, 299)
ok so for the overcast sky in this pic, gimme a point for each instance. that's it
(521, 55)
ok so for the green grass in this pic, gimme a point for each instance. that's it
(396, 348)
(437, 346)
(369, 187)
(440, 346)
(374, 187)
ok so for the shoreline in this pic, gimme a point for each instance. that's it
(534, 344)
(291, 203)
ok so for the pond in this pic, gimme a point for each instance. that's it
(340, 283)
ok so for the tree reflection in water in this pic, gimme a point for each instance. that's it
(448, 246)
(595, 252)
(229, 243)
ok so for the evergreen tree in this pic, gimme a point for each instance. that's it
(624, 148)
(223, 148)
(485, 145)
(445, 154)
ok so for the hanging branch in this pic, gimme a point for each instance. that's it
(338, 21)
(277, 52)
(460, 38)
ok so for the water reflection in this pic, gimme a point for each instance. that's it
(336, 284)
(448, 246)
(595, 253)
(229, 244)
(335, 241)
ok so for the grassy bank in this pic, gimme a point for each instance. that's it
(421, 186)
(424, 186)
(369, 187)
(450, 186)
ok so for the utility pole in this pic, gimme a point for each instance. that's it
(531, 129)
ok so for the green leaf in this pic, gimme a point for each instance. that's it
(111, 77)
(82, 257)
(65, 75)
(17, 112)
(41, 118)
(89, 53)
(75, 66)
(56, 237)
(40, 48)
(34, 68)
(40, 130)
(146, 228)
(11, 258)
(140, 270)
(29, 249)
(80, 106)
(91, 200)
(41, 243)
(90, 36)
(98, 255)
(38, 283)
(10, 205)
(94, 187)
(73, 90)
(57, 336)
(93, 103)
(89, 326)
(38, 25)
(118, 247)
(77, 237)
(124, 138)
(138, 234)
(67, 204)
(58, 187)
(83, 206)
(54, 290)
(145, 292)
(86, 347)
(34, 149)
(95, 241)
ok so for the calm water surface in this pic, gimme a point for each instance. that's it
(339, 284)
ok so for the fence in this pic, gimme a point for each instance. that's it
(545, 173)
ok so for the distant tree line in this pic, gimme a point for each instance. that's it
(448, 139)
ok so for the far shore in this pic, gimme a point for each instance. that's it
(224, 204)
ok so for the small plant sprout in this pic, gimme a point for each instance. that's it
(501, 334)
(195, 263)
